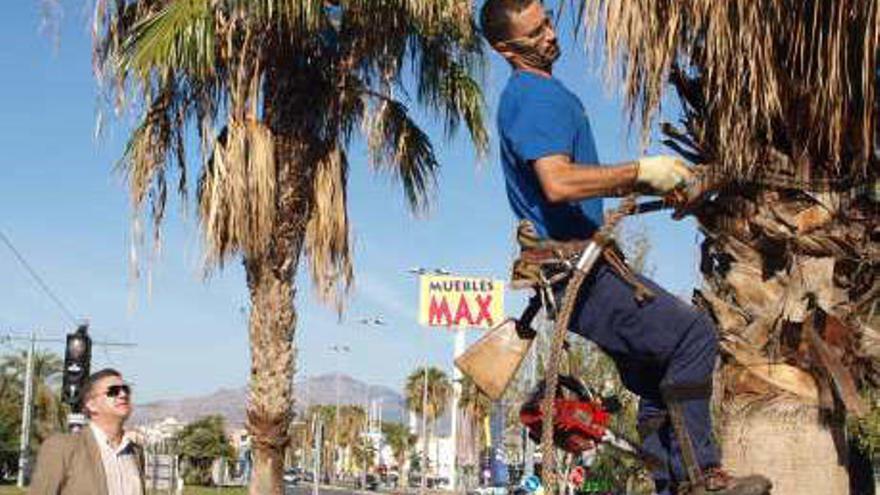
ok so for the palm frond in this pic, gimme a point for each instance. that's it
(450, 88)
(398, 145)
(237, 192)
(180, 37)
(327, 244)
(792, 76)
(270, 73)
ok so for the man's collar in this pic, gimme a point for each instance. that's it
(535, 72)
(104, 440)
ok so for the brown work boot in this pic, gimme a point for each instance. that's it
(718, 482)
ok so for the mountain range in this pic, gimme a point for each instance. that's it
(230, 402)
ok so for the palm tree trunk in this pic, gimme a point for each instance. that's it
(272, 324)
(403, 469)
(270, 278)
(273, 319)
(772, 440)
(771, 258)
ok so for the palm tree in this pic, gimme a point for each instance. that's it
(268, 95)
(779, 103)
(401, 441)
(352, 420)
(323, 418)
(435, 401)
(48, 409)
(475, 407)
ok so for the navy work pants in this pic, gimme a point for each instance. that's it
(657, 344)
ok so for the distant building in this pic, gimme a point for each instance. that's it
(440, 456)
(158, 433)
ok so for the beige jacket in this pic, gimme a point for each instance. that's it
(70, 464)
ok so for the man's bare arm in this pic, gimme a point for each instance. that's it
(563, 181)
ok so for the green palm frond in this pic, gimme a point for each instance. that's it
(439, 391)
(473, 400)
(464, 101)
(399, 145)
(449, 83)
(180, 37)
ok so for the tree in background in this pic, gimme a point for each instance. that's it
(268, 95)
(352, 422)
(779, 104)
(49, 412)
(475, 407)
(439, 393)
(401, 441)
(200, 443)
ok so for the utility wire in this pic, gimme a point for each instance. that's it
(67, 313)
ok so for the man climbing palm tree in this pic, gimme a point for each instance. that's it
(664, 350)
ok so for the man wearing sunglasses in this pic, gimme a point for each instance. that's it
(664, 349)
(99, 459)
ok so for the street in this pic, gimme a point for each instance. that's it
(306, 489)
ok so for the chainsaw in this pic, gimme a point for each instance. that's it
(582, 421)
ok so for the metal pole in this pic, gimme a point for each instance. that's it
(319, 439)
(366, 436)
(27, 409)
(458, 350)
(424, 481)
(336, 427)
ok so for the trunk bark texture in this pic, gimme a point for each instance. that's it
(272, 324)
(788, 275)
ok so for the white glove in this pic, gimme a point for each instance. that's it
(663, 173)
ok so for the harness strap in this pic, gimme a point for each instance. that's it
(544, 263)
(673, 396)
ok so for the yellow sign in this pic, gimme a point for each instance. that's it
(451, 301)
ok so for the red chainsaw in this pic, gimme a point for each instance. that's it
(582, 419)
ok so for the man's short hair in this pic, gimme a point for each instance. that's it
(90, 384)
(495, 17)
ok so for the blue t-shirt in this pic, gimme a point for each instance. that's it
(538, 117)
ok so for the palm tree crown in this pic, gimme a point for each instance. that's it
(240, 73)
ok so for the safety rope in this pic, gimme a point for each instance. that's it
(548, 449)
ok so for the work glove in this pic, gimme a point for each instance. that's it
(661, 174)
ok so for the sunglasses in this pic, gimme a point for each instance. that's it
(113, 391)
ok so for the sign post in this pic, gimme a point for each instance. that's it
(458, 303)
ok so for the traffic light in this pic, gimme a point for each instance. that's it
(77, 357)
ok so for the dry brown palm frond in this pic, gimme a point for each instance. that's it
(237, 192)
(799, 77)
(327, 233)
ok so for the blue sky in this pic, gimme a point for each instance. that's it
(65, 209)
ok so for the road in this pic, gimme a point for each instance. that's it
(306, 489)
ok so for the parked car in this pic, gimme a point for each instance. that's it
(292, 476)
(373, 482)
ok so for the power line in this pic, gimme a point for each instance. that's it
(67, 313)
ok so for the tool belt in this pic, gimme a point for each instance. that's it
(544, 265)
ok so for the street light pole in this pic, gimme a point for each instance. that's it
(27, 410)
(319, 440)
(338, 349)
(424, 481)
(367, 419)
